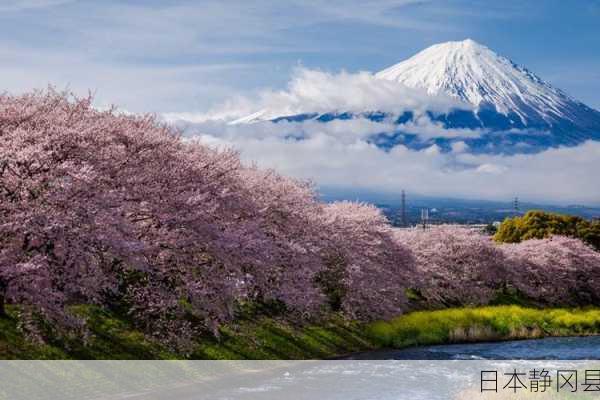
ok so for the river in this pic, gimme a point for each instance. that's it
(423, 373)
(562, 348)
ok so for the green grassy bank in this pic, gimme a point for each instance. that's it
(259, 337)
(270, 338)
(459, 325)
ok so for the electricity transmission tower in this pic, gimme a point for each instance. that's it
(403, 210)
(516, 205)
(424, 217)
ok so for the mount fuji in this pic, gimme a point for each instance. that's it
(512, 109)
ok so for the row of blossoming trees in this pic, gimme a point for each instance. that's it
(102, 208)
(98, 207)
(459, 266)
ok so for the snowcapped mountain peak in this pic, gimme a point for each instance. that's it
(475, 74)
(499, 107)
(467, 45)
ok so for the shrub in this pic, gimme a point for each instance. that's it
(540, 225)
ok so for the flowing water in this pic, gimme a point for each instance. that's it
(448, 372)
(565, 348)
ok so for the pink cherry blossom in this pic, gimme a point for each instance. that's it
(456, 265)
(110, 209)
(558, 270)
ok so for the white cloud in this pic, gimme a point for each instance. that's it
(425, 128)
(142, 55)
(146, 88)
(339, 153)
(487, 168)
(77, 43)
(433, 150)
(153, 56)
(19, 5)
(335, 157)
(459, 147)
(376, 12)
(314, 91)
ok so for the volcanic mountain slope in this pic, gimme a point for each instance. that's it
(512, 109)
(477, 75)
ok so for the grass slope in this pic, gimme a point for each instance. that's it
(458, 325)
(261, 337)
(264, 337)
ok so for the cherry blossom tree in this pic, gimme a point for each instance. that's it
(457, 265)
(555, 271)
(369, 269)
(98, 207)
(460, 266)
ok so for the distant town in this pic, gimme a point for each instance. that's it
(432, 211)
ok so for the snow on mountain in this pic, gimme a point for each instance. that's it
(495, 106)
(252, 118)
(475, 74)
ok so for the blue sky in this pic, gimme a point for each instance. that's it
(176, 56)
(190, 58)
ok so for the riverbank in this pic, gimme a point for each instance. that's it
(259, 337)
(264, 337)
(483, 324)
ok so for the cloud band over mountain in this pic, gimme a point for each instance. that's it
(348, 130)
